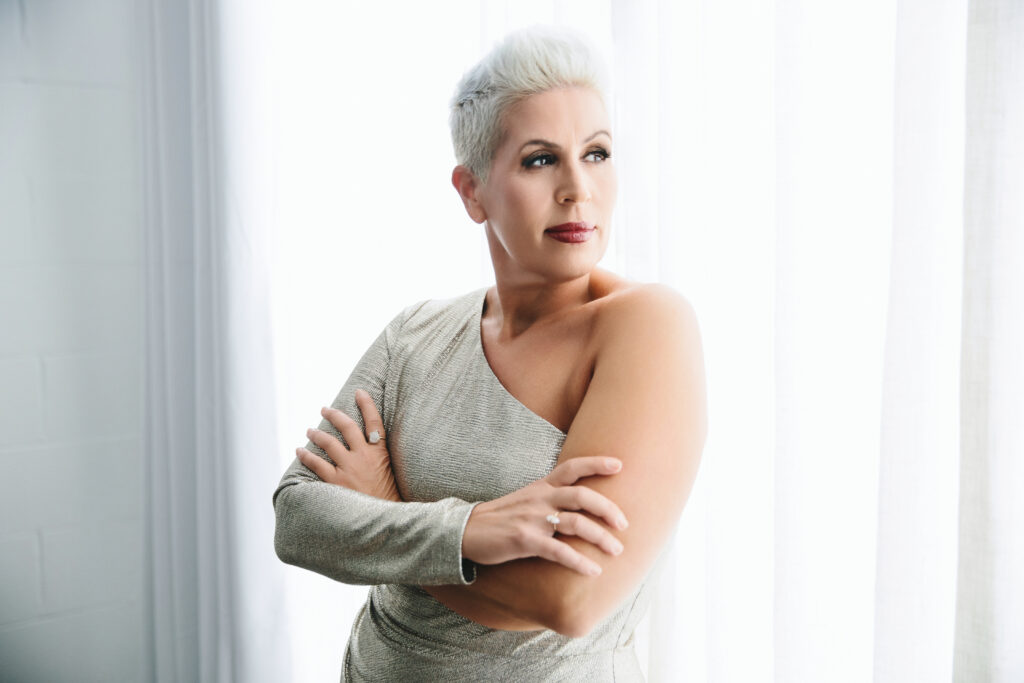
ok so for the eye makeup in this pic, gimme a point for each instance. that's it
(546, 158)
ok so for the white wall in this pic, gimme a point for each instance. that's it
(70, 343)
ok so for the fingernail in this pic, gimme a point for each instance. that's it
(594, 570)
(613, 464)
(617, 548)
(622, 522)
(323, 411)
(309, 432)
(298, 452)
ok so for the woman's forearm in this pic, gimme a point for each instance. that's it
(532, 593)
(357, 539)
(479, 608)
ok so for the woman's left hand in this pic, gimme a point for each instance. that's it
(363, 466)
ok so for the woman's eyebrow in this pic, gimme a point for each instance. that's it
(552, 145)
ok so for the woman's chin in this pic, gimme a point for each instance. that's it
(563, 265)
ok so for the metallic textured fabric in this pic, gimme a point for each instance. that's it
(456, 437)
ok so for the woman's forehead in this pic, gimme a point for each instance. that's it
(565, 114)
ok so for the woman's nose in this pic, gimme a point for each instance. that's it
(574, 187)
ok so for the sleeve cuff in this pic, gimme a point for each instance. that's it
(467, 572)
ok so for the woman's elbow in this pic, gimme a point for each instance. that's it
(575, 615)
(573, 622)
(283, 550)
(285, 543)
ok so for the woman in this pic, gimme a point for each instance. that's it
(520, 425)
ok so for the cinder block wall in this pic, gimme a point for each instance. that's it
(70, 342)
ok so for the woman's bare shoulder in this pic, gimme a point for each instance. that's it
(642, 308)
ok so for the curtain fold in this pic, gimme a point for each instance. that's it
(990, 579)
(915, 576)
(215, 605)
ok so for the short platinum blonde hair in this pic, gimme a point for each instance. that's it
(526, 62)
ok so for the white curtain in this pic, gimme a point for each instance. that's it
(215, 604)
(847, 219)
(834, 185)
(990, 580)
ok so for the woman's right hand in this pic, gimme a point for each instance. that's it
(515, 526)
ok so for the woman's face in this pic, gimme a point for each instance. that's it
(548, 199)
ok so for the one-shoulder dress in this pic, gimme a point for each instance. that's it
(456, 437)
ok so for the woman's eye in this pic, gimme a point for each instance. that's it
(597, 155)
(539, 160)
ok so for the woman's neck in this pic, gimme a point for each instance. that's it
(516, 307)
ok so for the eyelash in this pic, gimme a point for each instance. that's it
(528, 162)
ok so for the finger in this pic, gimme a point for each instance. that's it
(583, 527)
(334, 449)
(371, 417)
(566, 555)
(570, 471)
(344, 424)
(321, 468)
(589, 500)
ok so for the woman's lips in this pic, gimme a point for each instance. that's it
(571, 232)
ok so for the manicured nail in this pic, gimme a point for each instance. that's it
(613, 464)
(622, 522)
(595, 570)
(617, 548)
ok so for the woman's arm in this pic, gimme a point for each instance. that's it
(357, 538)
(645, 405)
(339, 513)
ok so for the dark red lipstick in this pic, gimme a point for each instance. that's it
(571, 232)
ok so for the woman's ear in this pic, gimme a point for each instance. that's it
(466, 184)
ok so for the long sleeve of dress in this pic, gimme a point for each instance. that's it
(358, 539)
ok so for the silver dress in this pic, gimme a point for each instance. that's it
(456, 437)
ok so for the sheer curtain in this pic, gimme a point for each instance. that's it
(853, 173)
(834, 185)
(990, 598)
(215, 604)
(854, 515)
